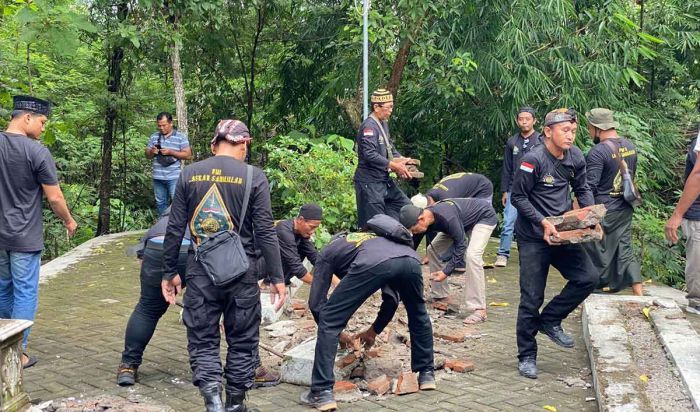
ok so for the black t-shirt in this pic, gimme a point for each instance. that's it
(693, 213)
(541, 189)
(462, 185)
(352, 253)
(209, 197)
(25, 165)
(516, 147)
(372, 157)
(603, 172)
(455, 220)
(293, 250)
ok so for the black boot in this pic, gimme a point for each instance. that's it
(211, 392)
(235, 401)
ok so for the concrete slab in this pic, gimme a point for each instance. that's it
(610, 351)
(682, 344)
(667, 292)
(78, 253)
(299, 361)
(617, 389)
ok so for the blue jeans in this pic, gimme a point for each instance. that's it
(19, 286)
(510, 214)
(164, 191)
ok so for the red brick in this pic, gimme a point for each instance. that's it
(579, 235)
(344, 387)
(452, 335)
(459, 365)
(407, 383)
(372, 354)
(347, 360)
(299, 304)
(379, 386)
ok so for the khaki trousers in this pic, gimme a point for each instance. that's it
(691, 230)
(474, 284)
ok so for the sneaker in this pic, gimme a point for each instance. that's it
(557, 335)
(127, 374)
(693, 309)
(527, 367)
(501, 261)
(426, 380)
(321, 400)
(265, 378)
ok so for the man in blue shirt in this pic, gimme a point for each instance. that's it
(167, 148)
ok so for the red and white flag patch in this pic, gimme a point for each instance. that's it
(527, 167)
(368, 132)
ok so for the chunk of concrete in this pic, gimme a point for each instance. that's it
(298, 363)
(578, 235)
(268, 312)
(579, 218)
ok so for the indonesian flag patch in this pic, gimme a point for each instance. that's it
(527, 167)
(368, 132)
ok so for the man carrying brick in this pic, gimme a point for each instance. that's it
(541, 187)
(375, 191)
(687, 215)
(613, 257)
(519, 144)
(456, 219)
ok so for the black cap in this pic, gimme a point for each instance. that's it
(408, 216)
(311, 211)
(527, 109)
(31, 104)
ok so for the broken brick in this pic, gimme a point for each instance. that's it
(379, 386)
(371, 354)
(344, 386)
(579, 218)
(407, 383)
(459, 365)
(345, 361)
(578, 235)
(299, 305)
(452, 335)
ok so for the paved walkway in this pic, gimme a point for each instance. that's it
(78, 337)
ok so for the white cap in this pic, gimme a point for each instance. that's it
(420, 201)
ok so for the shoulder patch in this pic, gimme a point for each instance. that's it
(527, 167)
(368, 132)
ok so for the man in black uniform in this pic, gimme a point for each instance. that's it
(375, 191)
(519, 144)
(294, 237)
(209, 199)
(152, 304)
(540, 189)
(453, 218)
(613, 257)
(461, 185)
(371, 262)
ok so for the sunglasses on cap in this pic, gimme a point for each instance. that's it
(560, 116)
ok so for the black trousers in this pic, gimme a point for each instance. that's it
(535, 259)
(150, 307)
(404, 275)
(239, 303)
(378, 197)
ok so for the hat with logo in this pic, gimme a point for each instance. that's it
(31, 104)
(382, 96)
(602, 118)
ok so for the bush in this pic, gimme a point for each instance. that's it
(305, 170)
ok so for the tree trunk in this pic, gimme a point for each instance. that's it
(116, 56)
(180, 102)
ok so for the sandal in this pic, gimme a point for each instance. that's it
(475, 317)
(31, 361)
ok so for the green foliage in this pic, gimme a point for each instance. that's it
(304, 170)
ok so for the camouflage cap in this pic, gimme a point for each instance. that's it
(560, 116)
(602, 118)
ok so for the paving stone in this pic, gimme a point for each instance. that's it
(90, 352)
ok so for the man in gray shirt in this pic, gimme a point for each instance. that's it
(26, 171)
